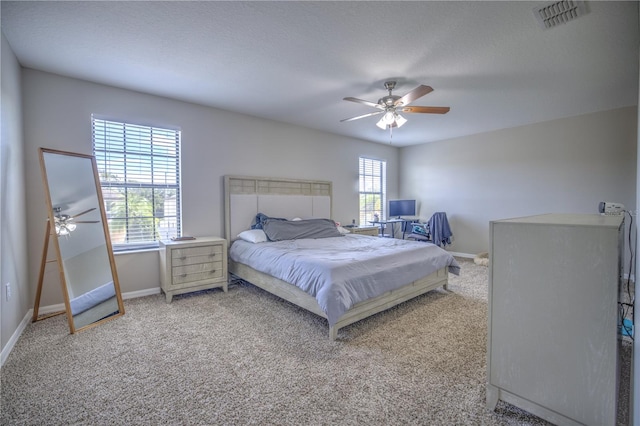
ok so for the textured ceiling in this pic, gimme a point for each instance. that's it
(294, 61)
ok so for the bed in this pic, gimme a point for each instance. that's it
(334, 276)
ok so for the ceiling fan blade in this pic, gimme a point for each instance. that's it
(416, 93)
(360, 101)
(425, 109)
(84, 212)
(86, 221)
(361, 116)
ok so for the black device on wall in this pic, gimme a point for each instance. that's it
(398, 208)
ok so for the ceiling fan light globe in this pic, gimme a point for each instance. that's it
(382, 124)
(389, 117)
(71, 226)
(400, 120)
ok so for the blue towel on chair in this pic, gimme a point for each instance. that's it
(440, 230)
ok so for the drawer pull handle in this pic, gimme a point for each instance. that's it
(183, 275)
(183, 258)
(213, 271)
(212, 255)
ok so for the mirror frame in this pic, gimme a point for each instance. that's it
(51, 232)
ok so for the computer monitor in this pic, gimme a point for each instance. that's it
(398, 208)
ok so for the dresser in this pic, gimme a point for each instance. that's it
(193, 265)
(553, 342)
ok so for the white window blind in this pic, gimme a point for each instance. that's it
(373, 189)
(139, 168)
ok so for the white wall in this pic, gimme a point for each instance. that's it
(13, 226)
(57, 113)
(561, 166)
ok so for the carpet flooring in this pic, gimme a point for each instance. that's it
(249, 358)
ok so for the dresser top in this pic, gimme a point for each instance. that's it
(197, 241)
(568, 219)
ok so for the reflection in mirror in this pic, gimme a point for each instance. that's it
(77, 225)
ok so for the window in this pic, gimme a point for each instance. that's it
(139, 169)
(373, 189)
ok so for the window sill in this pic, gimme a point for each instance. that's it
(135, 251)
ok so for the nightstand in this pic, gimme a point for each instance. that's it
(365, 230)
(193, 265)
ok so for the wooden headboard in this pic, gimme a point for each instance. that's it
(246, 196)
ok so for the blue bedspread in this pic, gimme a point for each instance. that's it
(342, 271)
(92, 298)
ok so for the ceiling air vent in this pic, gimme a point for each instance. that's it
(559, 12)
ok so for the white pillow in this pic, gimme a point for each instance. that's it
(253, 236)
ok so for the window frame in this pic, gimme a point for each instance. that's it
(152, 148)
(372, 183)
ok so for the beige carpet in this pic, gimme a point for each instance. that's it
(247, 357)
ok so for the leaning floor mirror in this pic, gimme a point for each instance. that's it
(78, 232)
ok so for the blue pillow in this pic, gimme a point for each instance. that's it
(419, 230)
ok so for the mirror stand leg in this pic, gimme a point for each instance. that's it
(43, 263)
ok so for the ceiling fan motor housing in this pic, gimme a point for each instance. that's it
(388, 101)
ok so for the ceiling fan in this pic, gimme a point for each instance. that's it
(391, 105)
(66, 224)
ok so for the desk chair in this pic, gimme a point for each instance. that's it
(436, 230)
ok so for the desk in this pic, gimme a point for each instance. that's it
(392, 222)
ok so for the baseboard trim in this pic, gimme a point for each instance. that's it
(14, 337)
(45, 310)
(466, 255)
(128, 295)
(140, 293)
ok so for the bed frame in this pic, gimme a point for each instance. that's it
(247, 196)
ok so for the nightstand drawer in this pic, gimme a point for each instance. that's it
(186, 256)
(197, 272)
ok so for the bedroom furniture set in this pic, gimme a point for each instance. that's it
(340, 275)
(331, 273)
